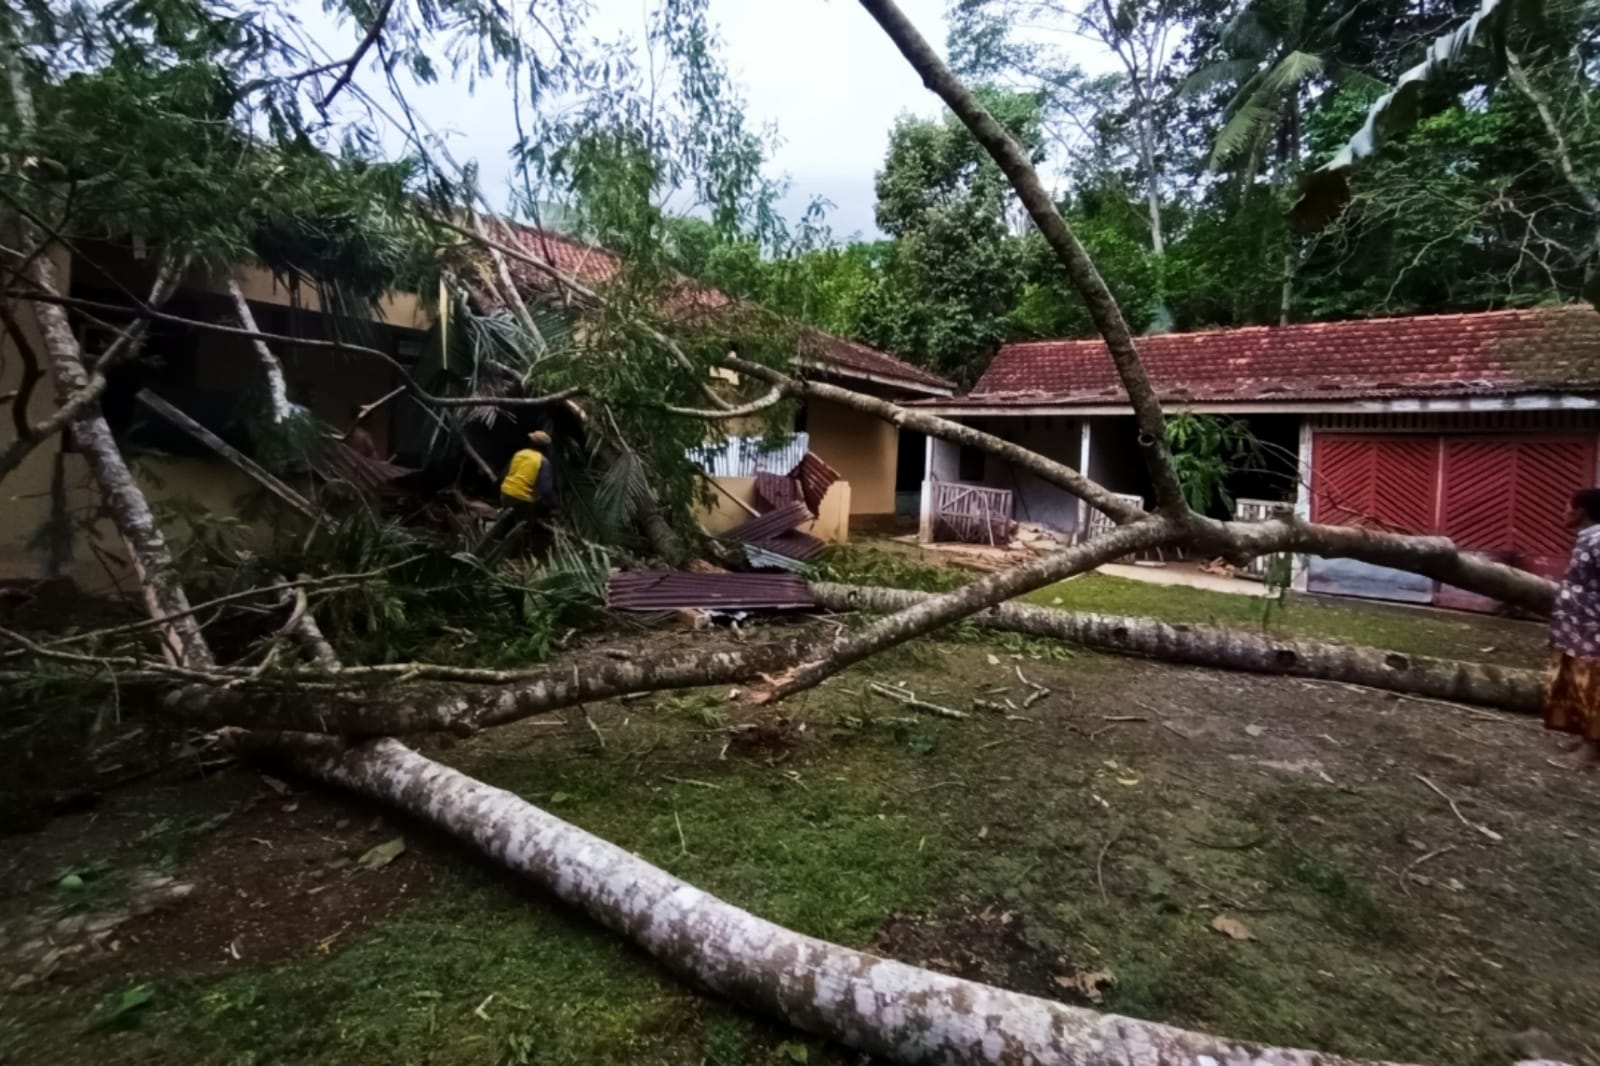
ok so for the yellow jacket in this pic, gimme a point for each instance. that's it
(522, 476)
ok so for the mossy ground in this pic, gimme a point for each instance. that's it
(1023, 850)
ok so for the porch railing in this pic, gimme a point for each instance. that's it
(973, 514)
(1257, 511)
(1099, 522)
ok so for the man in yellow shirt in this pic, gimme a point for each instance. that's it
(528, 491)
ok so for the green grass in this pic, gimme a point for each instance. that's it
(1416, 630)
(872, 817)
(1420, 631)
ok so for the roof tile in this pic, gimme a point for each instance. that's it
(1487, 353)
(595, 267)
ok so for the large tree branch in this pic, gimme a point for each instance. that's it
(342, 708)
(277, 391)
(182, 640)
(879, 1006)
(1059, 474)
(126, 346)
(1435, 557)
(1218, 647)
(1019, 170)
(924, 617)
(1560, 149)
(744, 410)
(31, 376)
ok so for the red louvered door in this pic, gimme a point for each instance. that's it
(1379, 482)
(1508, 496)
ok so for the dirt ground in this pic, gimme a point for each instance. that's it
(1276, 860)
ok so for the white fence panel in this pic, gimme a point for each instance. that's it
(744, 456)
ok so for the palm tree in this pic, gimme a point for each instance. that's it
(1274, 52)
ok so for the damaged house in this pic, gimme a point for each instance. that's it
(196, 394)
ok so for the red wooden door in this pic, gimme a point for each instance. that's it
(1508, 496)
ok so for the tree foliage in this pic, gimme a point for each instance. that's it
(1485, 194)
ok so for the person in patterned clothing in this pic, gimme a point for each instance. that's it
(1572, 697)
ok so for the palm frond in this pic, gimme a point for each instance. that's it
(1292, 71)
(1222, 72)
(1241, 131)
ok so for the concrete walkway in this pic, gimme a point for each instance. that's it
(1189, 576)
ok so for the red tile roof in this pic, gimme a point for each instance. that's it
(1549, 349)
(595, 267)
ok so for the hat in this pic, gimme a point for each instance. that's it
(539, 439)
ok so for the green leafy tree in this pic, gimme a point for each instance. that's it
(952, 275)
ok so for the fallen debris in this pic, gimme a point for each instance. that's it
(1456, 810)
(777, 534)
(653, 591)
(910, 700)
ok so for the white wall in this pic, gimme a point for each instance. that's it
(1034, 500)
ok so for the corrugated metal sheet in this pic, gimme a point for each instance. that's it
(342, 463)
(815, 477)
(744, 456)
(776, 490)
(661, 590)
(774, 523)
(795, 544)
(762, 559)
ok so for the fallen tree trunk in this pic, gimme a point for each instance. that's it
(942, 610)
(879, 1006)
(1234, 649)
(351, 703)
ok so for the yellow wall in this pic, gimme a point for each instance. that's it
(863, 449)
(831, 525)
(401, 309)
(25, 492)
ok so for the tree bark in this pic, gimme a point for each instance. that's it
(1097, 298)
(339, 705)
(875, 1005)
(278, 407)
(181, 638)
(1435, 557)
(1234, 649)
(936, 611)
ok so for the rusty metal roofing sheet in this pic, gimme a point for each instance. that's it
(775, 490)
(794, 544)
(342, 463)
(661, 590)
(815, 477)
(772, 524)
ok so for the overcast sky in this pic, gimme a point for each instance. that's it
(821, 70)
